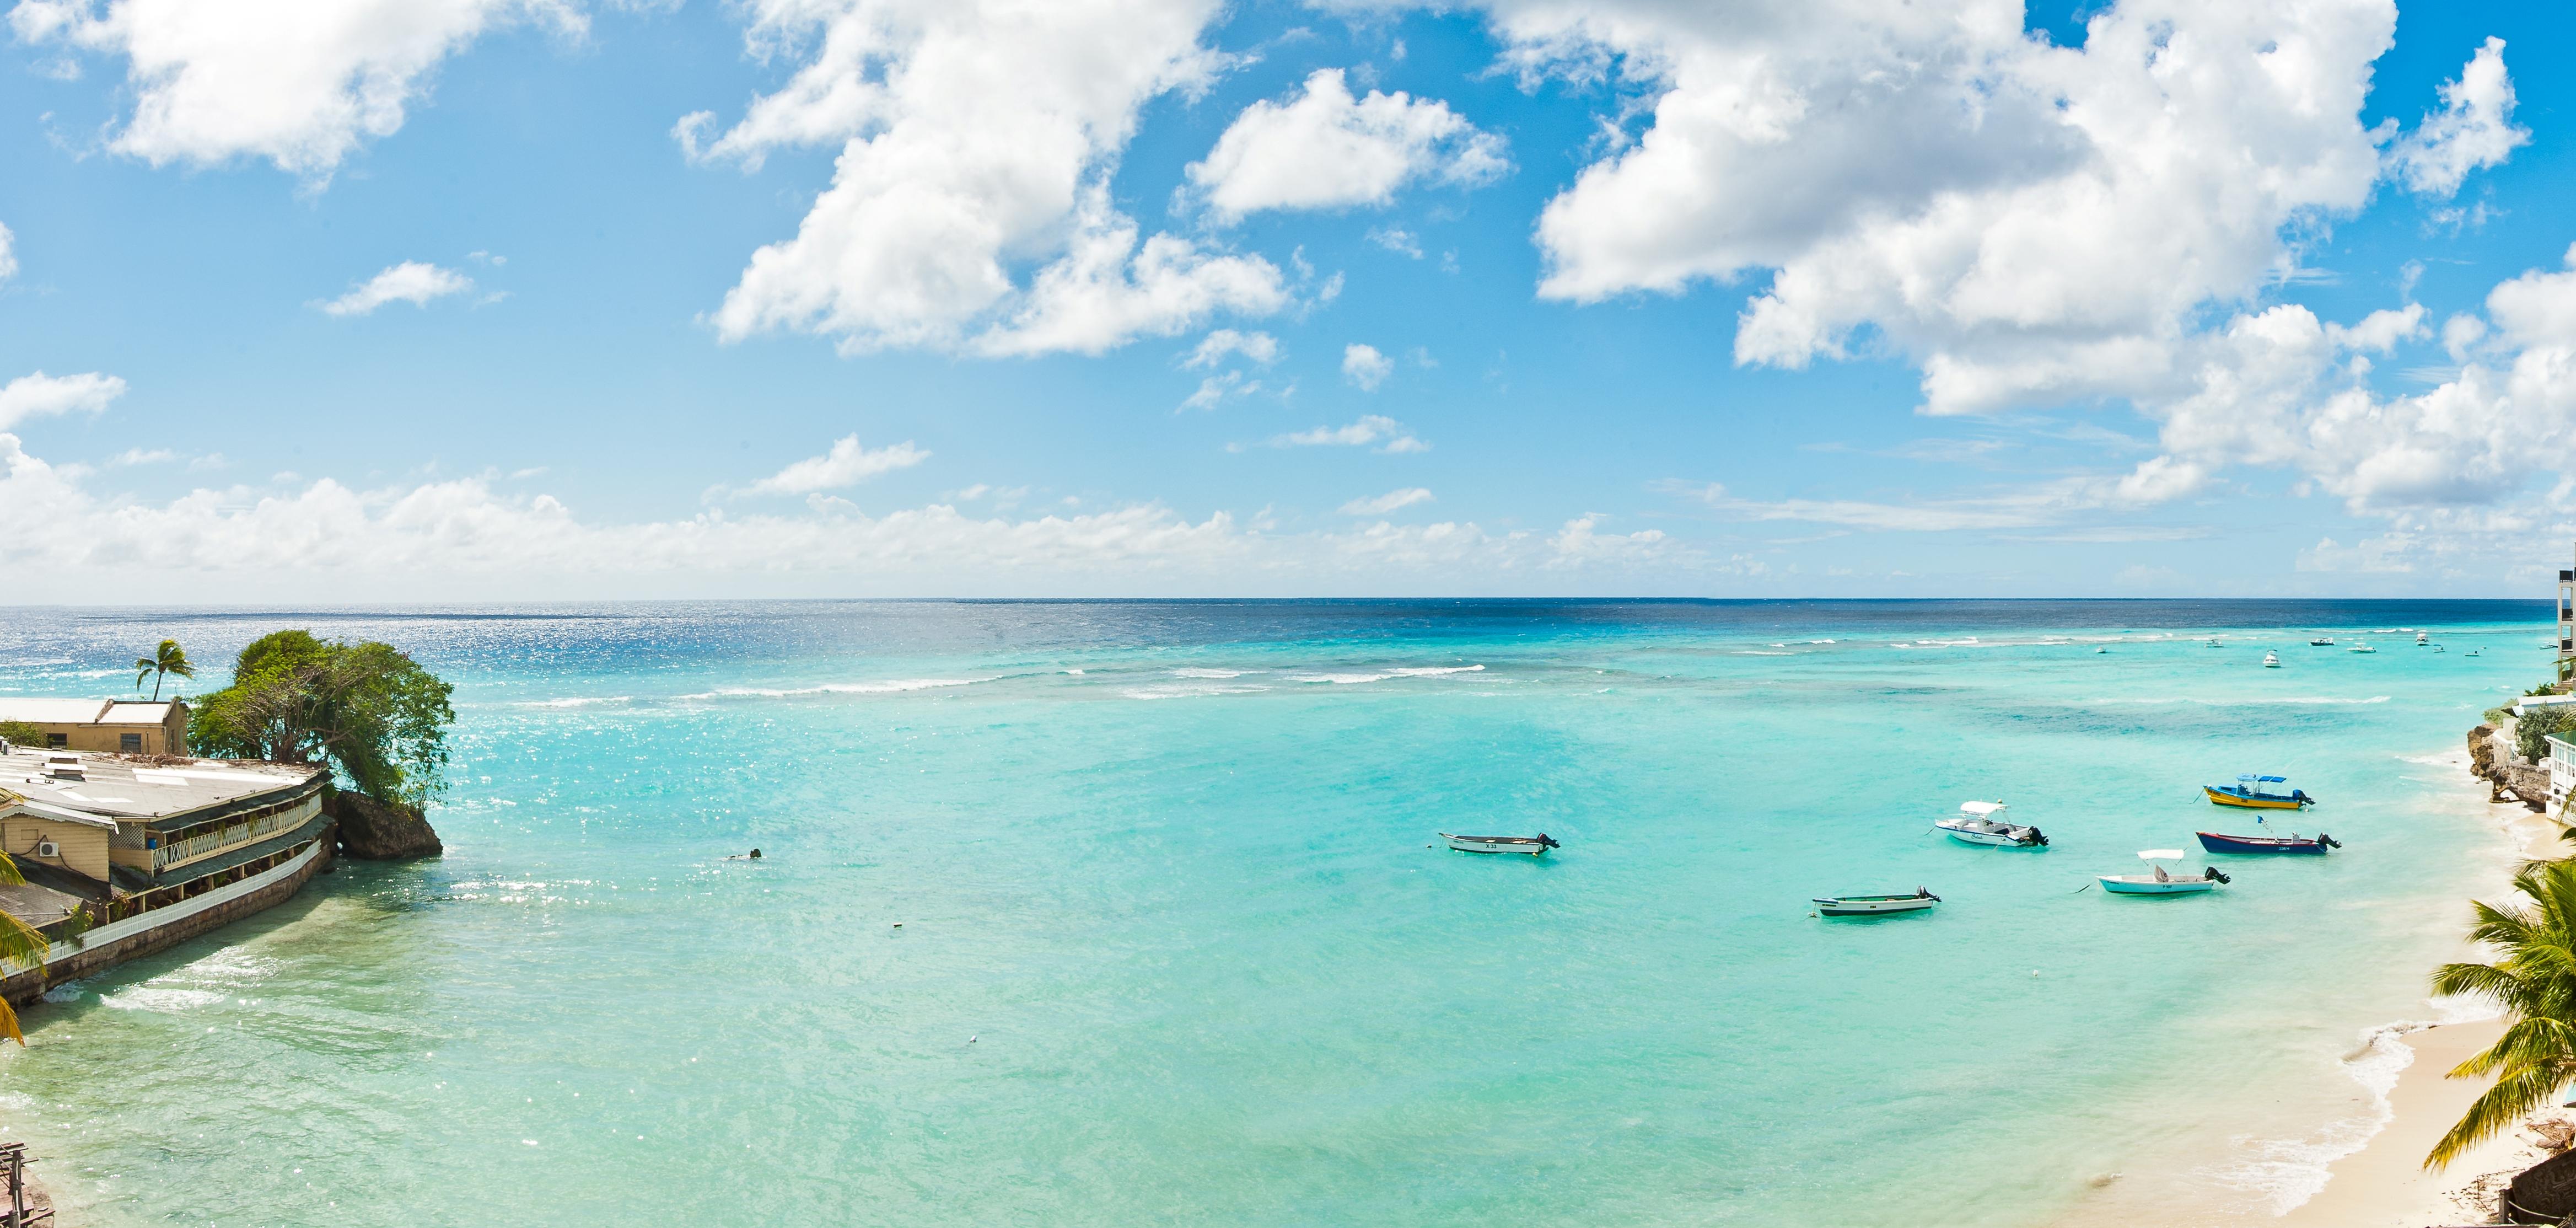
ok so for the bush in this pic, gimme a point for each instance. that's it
(2531, 732)
(2495, 717)
(20, 733)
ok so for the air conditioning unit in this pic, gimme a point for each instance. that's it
(47, 848)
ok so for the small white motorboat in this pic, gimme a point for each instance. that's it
(2271, 660)
(1535, 846)
(1984, 823)
(2157, 881)
(2362, 647)
(2322, 641)
(2422, 638)
(2104, 648)
(1873, 905)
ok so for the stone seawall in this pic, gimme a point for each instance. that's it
(30, 985)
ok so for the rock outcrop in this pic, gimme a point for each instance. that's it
(381, 831)
(2492, 758)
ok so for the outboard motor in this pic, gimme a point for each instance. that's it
(2211, 873)
(2301, 797)
(2329, 841)
(2038, 838)
(1926, 893)
(1549, 841)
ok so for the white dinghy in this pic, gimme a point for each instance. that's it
(1873, 905)
(1534, 846)
(1984, 823)
(2160, 882)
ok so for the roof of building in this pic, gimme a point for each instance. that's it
(40, 710)
(137, 787)
(36, 905)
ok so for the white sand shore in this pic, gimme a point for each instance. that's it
(2384, 1185)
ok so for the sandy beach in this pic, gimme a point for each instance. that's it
(2385, 1185)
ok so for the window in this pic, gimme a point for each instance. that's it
(130, 743)
(58, 741)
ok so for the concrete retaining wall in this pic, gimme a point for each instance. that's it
(109, 949)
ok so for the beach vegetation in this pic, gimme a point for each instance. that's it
(2496, 717)
(368, 710)
(21, 733)
(165, 661)
(2532, 729)
(2534, 979)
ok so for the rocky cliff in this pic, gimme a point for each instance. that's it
(381, 831)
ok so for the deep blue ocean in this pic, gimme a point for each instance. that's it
(1119, 913)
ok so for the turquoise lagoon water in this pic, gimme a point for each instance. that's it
(1174, 947)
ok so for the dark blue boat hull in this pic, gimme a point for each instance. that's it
(2216, 843)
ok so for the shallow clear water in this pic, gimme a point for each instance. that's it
(1174, 947)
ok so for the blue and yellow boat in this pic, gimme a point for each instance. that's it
(2259, 793)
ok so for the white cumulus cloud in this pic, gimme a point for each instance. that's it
(299, 82)
(976, 137)
(1392, 500)
(2474, 128)
(1378, 429)
(1325, 149)
(1212, 349)
(410, 282)
(847, 464)
(1365, 366)
(39, 394)
(2027, 223)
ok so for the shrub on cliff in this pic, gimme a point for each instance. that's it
(2532, 729)
(366, 709)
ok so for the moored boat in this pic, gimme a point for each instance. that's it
(1535, 846)
(2294, 843)
(2259, 793)
(2422, 638)
(2157, 881)
(2322, 641)
(1984, 823)
(2362, 648)
(2271, 660)
(1873, 905)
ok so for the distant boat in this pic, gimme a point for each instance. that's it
(2213, 642)
(2217, 843)
(2104, 648)
(2322, 641)
(2271, 660)
(1535, 846)
(2363, 647)
(2437, 648)
(2422, 637)
(2259, 793)
(2157, 882)
(1984, 823)
(1872, 905)
(2473, 652)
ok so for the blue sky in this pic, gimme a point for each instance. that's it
(1775, 302)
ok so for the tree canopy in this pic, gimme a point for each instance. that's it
(367, 709)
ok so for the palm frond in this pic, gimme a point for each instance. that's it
(2512, 1098)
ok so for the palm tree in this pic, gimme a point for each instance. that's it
(19, 941)
(168, 659)
(2535, 981)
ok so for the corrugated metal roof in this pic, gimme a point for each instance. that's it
(41, 710)
(115, 787)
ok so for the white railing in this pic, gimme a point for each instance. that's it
(233, 834)
(127, 927)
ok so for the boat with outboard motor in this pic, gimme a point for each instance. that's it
(1984, 823)
(1874, 905)
(2271, 660)
(2157, 881)
(2322, 641)
(1535, 846)
(2363, 647)
(2259, 793)
(2293, 843)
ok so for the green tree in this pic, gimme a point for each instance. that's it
(2535, 981)
(2531, 730)
(166, 660)
(366, 709)
(22, 733)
